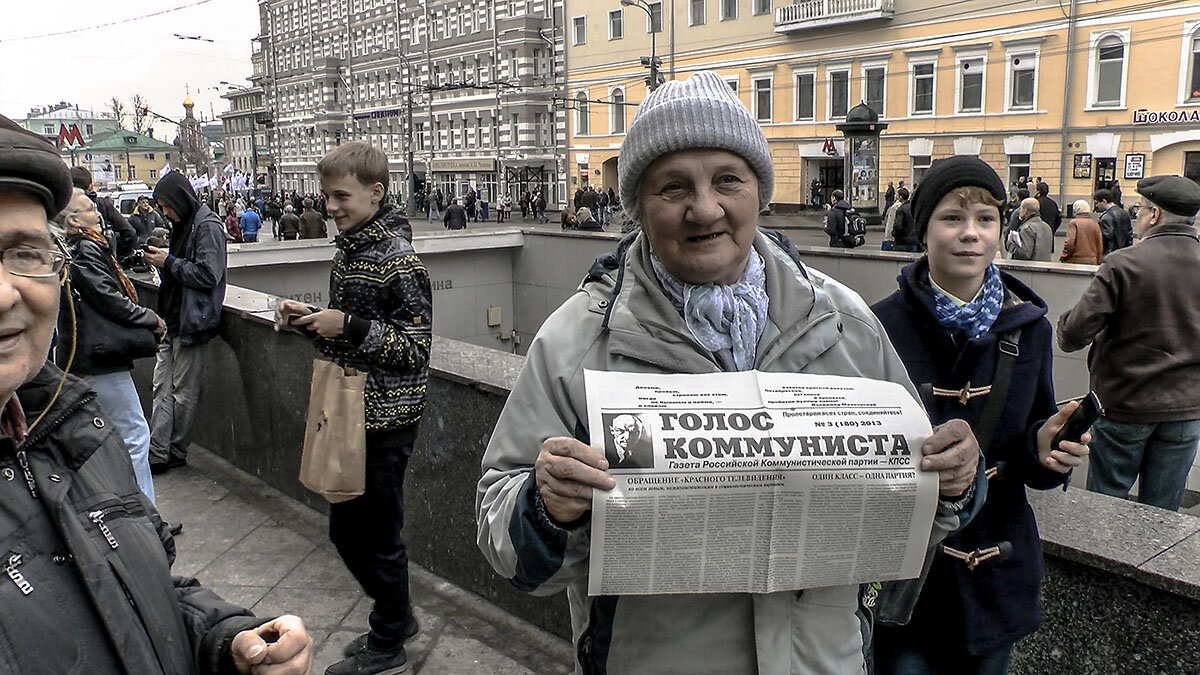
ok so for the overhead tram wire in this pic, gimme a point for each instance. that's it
(106, 25)
(1152, 4)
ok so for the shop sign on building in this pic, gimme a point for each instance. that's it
(1135, 166)
(378, 114)
(1083, 166)
(463, 165)
(1144, 116)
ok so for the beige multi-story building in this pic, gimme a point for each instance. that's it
(1079, 92)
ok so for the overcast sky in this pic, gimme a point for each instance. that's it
(140, 56)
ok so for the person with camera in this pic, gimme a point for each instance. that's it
(107, 328)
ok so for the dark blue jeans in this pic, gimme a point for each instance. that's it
(895, 659)
(1160, 454)
(367, 532)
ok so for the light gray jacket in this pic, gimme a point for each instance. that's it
(624, 322)
(1036, 241)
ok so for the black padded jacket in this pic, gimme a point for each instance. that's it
(87, 585)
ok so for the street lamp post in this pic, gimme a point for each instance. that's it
(253, 139)
(653, 62)
(409, 162)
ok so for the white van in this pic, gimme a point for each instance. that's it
(126, 195)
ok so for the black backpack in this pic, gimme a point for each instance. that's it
(855, 234)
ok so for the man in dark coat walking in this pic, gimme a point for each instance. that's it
(189, 301)
(1115, 225)
(456, 216)
(312, 225)
(835, 219)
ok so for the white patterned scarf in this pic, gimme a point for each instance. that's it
(726, 320)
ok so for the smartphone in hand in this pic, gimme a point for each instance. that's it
(1081, 420)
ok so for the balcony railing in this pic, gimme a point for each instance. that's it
(820, 13)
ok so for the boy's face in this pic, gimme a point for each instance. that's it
(962, 239)
(350, 203)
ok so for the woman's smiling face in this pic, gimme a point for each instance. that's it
(699, 209)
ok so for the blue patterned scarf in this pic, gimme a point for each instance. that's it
(726, 320)
(977, 316)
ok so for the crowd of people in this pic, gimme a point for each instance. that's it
(696, 287)
(1031, 223)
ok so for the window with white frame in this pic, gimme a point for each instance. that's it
(1191, 66)
(762, 99)
(970, 84)
(762, 7)
(582, 121)
(1022, 81)
(616, 114)
(839, 92)
(729, 10)
(1108, 61)
(875, 87)
(732, 81)
(920, 164)
(1018, 165)
(654, 20)
(696, 11)
(923, 78)
(805, 96)
(579, 30)
(616, 24)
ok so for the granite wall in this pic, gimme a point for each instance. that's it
(470, 275)
(252, 413)
(1122, 584)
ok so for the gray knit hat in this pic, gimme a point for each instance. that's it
(699, 112)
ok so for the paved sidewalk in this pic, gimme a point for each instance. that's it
(261, 549)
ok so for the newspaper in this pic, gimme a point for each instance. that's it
(756, 482)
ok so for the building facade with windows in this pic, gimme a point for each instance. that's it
(244, 131)
(1080, 93)
(70, 128)
(466, 87)
(123, 156)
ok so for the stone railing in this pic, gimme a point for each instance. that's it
(814, 13)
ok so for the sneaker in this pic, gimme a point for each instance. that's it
(371, 662)
(360, 643)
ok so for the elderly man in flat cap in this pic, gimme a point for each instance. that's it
(1143, 323)
(87, 584)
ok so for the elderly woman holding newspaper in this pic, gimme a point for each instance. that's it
(698, 289)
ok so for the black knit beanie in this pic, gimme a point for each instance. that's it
(948, 174)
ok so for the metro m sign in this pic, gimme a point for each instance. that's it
(69, 135)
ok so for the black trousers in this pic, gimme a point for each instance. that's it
(367, 532)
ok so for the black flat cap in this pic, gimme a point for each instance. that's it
(1176, 194)
(30, 164)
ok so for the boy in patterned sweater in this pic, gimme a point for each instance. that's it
(378, 321)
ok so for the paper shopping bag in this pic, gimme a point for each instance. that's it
(334, 463)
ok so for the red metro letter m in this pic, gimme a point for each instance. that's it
(69, 136)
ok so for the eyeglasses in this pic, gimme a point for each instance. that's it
(32, 262)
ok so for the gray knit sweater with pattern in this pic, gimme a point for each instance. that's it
(380, 283)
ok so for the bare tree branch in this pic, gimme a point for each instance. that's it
(117, 108)
(139, 113)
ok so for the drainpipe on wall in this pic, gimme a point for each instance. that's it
(672, 67)
(1066, 112)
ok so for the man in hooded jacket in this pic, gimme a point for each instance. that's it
(189, 301)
